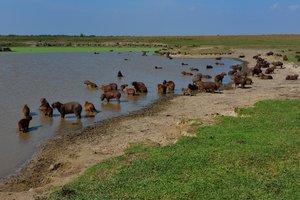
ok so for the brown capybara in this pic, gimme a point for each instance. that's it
(184, 73)
(238, 80)
(208, 86)
(90, 84)
(89, 107)
(278, 63)
(129, 91)
(139, 87)
(46, 108)
(209, 66)
(236, 67)
(270, 70)
(170, 86)
(161, 88)
(26, 111)
(123, 87)
(193, 86)
(110, 87)
(184, 64)
(23, 124)
(186, 91)
(68, 108)
(194, 69)
(232, 72)
(219, 77)
(256, 71)
(292, 77)
(197, 77)
(111, 95)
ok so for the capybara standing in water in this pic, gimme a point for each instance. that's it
(110, 87)
(68, 108)
(219, 77)
(46, 108)
(89, 107)
(161, 88)
(23, 124)
(111, 95)
(26, 111)
(140, 87)
(170, 86)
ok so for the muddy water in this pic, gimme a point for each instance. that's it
(24, 79)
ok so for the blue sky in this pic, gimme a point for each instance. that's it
(149, 17)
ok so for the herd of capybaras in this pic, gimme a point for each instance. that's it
(239, 76)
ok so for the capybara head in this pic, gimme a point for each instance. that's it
(56, 105)
(43, 101)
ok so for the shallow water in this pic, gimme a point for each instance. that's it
(25, 78)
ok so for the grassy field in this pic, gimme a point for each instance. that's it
(259, 41)
(253, 156)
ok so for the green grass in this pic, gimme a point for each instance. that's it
(77, 49)
(244, 41)
(254, 156)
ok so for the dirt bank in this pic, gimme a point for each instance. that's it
(62, 159)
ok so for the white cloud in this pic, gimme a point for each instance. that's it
(294, 7)
(275, 6)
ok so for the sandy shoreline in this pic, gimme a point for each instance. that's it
(62, 159)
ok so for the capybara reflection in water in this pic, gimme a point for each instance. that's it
(111, 95)
(68, 108)
(46, 108)
(23, 124)
(140, 87)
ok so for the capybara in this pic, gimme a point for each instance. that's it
(207, 76)
(256, 71)
(278, 63)
(270, 70)
(270, 53)
(26, 111)
(68, 108)
(46, 108)
(232, 72)
(90, 84)
(161, 88)
(109, 87)
(186, 91)
(209, 66)
(219, 77)
(111, 95)
(208, 86)
(238, 80)
(170, 86)
(89, 107)
(197, 77)
(292, 77)
(194, 69)
(184, 73)
(129, 91)
(23, 124)
(184, 64)
(236, 67)
(193, 87)
(140, 87)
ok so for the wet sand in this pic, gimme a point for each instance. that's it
(161, 123)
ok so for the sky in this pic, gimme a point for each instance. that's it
(149, 17)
